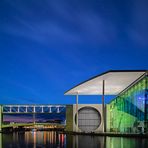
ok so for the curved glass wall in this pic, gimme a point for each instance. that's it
(128, 112)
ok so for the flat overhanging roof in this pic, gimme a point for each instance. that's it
(115, 82)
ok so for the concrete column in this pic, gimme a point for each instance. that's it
(58, 109)
(34, 109)
(50, 109)
(103, 109)
(77, 124)
(33, 114)
(1, 117)
(26, 109)
(10, 109)
(69, 118)
(18, 109)
(42, 109)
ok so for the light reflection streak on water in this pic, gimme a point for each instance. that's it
(45, 138)
(34, 139)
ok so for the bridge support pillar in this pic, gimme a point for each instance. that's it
(34, 118)
(1, 117)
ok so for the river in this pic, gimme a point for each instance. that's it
(52, 139)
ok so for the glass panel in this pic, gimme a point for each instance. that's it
(129, 111)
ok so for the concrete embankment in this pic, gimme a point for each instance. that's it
(138, 135)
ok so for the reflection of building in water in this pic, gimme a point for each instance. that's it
(127, 113)
(80, 141)
(34, 139)
(116, 142)
(1, 141)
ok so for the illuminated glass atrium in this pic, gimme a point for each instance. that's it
(128, 112)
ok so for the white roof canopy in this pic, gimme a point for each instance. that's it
(115, 82)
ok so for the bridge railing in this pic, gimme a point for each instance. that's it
(10, 109)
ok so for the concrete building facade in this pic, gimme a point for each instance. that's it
(89, 118)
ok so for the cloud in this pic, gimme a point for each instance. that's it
(77, 22)
(21, 86)
(138, 28)
(67, 24)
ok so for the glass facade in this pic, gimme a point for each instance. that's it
(128, 112)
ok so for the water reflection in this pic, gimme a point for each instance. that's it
(55, 140)
(116, 142)
(80, 141)
(33, 139)
(0, 140)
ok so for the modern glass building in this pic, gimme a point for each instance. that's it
(128, 111)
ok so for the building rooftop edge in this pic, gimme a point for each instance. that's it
(109, 71)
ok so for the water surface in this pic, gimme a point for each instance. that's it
(53, 139)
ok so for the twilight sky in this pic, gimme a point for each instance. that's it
(48, 46)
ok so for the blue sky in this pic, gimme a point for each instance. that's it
(47, 47)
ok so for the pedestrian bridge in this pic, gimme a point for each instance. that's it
(13, 109)
(30, 109)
